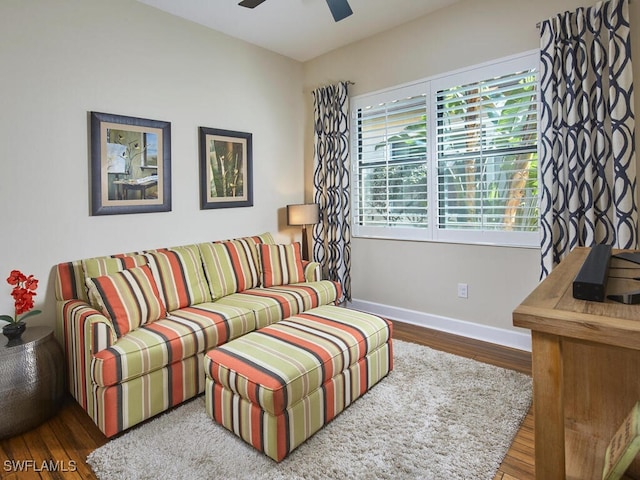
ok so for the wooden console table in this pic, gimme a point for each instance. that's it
(586, 368)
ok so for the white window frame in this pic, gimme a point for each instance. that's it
(428, 87)
(406, 233)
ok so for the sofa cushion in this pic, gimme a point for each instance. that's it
(281, 264)
(98, 266)
(258, 239)
(129, 298)
(275, 303)
(180, 276)
(255, 241)
(184, 333)
(230, 266)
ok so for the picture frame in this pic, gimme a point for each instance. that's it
(226, 168)
(130, 164)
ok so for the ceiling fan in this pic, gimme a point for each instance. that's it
(340, 9)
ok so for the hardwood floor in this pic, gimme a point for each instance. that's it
(58, 448)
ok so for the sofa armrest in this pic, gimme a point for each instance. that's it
(312, 271)
(83, 331)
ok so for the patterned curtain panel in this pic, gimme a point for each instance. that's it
(587, 146)
(332, 236)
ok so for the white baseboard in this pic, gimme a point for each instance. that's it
(486, 333)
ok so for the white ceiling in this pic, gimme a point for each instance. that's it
(300, 29)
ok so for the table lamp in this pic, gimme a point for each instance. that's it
(303, 214)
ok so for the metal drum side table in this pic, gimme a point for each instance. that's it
(31, 380)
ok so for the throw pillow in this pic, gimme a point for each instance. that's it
(281, 264)
(99, 266)
(129, 298)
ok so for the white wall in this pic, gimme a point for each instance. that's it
(418, 276)
(64, 58)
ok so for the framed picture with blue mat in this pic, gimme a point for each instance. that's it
(130, 164)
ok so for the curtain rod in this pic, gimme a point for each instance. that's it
(540, 23)
(348, 82)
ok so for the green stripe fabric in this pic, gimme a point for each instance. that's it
(312, 271)
(267, 310)
(123, 379)
(266, 237)
(281, 264)
(278, 435)
(85, 330)
(310, 294)
(187, 332)
(230, 267)
(180, 276)
(118, 407)
(253, 246)
(275, 303)
(279, 365)
(129, 298)
(101, 266)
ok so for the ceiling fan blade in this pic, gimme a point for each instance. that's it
(250, 3)
(340, 9)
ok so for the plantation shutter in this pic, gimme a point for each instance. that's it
(486, 139)
(391, 161)
(452, 158)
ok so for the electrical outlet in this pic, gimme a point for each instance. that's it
(463, 290)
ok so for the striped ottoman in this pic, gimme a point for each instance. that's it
(277, 386)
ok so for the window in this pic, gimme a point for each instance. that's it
(392, 153)
(450, 159)
(150, 152)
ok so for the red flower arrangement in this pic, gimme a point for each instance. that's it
(24, 289)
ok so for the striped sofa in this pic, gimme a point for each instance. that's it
(135, 327)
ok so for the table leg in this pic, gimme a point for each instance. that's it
(548, 404)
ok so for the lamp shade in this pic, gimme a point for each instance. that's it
(303, 214)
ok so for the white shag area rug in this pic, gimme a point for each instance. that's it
(435, 416)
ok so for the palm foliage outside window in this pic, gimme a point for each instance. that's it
(392, 164)
(487, 154)
(457, 164)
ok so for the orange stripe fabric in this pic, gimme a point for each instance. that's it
(278, 365)
(186, 333)
(179, 280)
(281, 264)
(180, 275)
(66, 281)
(236, 263)
(129, 298)
(278, 435)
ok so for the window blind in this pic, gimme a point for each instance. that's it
(453, 158)
(392, 163)
(487, 154)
